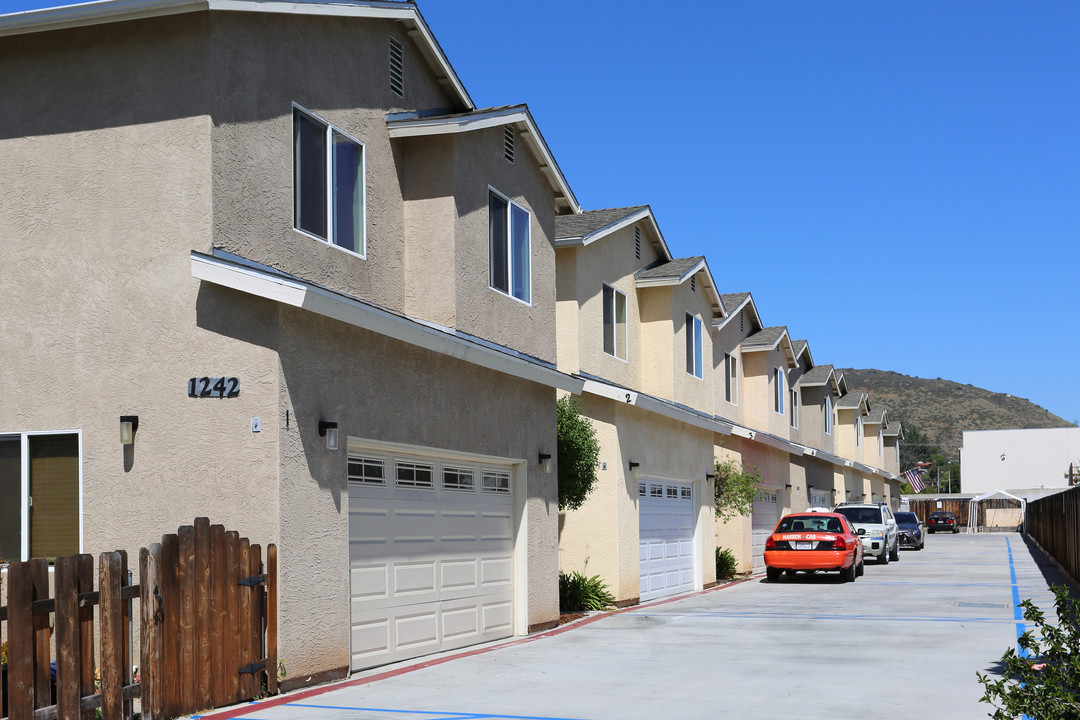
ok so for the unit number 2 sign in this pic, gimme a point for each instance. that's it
(213, 387)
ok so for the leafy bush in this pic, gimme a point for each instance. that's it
(1046, 683)
(579, 454)
(736, 487)
(577, 593)
(725, 564)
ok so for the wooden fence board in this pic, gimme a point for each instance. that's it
(112, 636)
(86, 572)
(170, 632)
(186, 586)
(271, 619)
(232, 605)
(39, 573)
(150, 611)
(68, 680)
(20, 635)
(217, 613)
(204, 692)
(242, 627)
(255, 617)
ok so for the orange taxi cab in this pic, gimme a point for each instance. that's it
(814, 541)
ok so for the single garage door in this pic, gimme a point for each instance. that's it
(666, 533)
(766, 515)
(430, 555)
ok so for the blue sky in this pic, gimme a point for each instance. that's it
(898, 183)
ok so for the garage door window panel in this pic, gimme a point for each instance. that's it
(414, 475)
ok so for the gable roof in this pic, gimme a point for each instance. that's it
(800, 347)
(414, 124)
(734, 303)
(879, 416)
(770, 339)
(894, 429)
(677, 272)
(592, 225)
(854, 400)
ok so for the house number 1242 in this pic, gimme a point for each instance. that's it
(214, 387)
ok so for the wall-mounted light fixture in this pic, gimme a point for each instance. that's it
(545, 462)
(128, 425)
(710, 476)
(788, 486)
(633, 467)
(329, 431)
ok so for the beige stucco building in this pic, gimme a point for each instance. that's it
(301, 200)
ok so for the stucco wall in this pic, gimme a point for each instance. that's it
(1032, 458)
(727, 340)
(602, 538)
(377, 388)
(107, 189)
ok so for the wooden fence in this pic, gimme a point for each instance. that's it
(924, 506)
(1054, 523)
(207, 618)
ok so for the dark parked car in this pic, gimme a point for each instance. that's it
(942, 520)
(911, 530)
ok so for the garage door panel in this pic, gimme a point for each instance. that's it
(431, 568)
(666, 532)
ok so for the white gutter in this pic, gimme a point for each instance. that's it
(651, 404)
(320, 301)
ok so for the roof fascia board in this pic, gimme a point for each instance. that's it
(749, 300)
(654, 405)
(108, 11)
(401, 127)
(359, 314)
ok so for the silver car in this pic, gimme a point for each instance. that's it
(876, 525)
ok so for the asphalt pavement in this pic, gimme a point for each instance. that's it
(905, 639)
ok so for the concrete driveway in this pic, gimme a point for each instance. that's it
(904, 638)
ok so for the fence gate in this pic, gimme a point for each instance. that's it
(207, 611)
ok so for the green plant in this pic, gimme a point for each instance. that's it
(1044, 682)
(579, 454)
(577, 592)
(725, 564)
(736, 487)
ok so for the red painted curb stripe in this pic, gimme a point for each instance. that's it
(322, 690)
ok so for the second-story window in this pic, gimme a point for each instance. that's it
(731, 379)
(693, 345)
(328, 182)
(508, 239)
(614, 322)
(778, 390)
(794, 407)
(828, 415)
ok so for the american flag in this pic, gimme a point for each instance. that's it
(914, 478)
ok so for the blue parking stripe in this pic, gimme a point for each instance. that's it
(430, 714)
(1018, 612)
(793, 616)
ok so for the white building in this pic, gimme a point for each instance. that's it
(1018, 459)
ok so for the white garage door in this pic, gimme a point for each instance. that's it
(666, 533)
(766, 515)
(430, 555)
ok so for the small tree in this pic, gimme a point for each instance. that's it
(579, 454)
(1046, 683)
(736, 487)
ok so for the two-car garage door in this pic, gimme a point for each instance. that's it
(430, 554)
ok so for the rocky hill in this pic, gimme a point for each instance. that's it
(943, 410)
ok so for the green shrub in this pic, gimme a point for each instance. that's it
(578, 593)
(579, 454)
(1046, 683)
(725, 564)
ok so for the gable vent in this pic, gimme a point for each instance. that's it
(637, 243)
(397, 67)
(742, 323)
(693, 284)
(508, 143)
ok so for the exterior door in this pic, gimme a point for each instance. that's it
(430, 555)
(666, 538)
(766, 515)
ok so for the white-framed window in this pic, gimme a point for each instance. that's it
(328, 183)
(693, 345)
(615, 339)
(496, 482)
(731, 379)
(367, 470)
(686, 492)
(656, 490)
(415, 475)
(858, 431)
(828, 414)
(459, 479)
(509, 246)
(794, 407)
(778, 390)
(41, 484)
